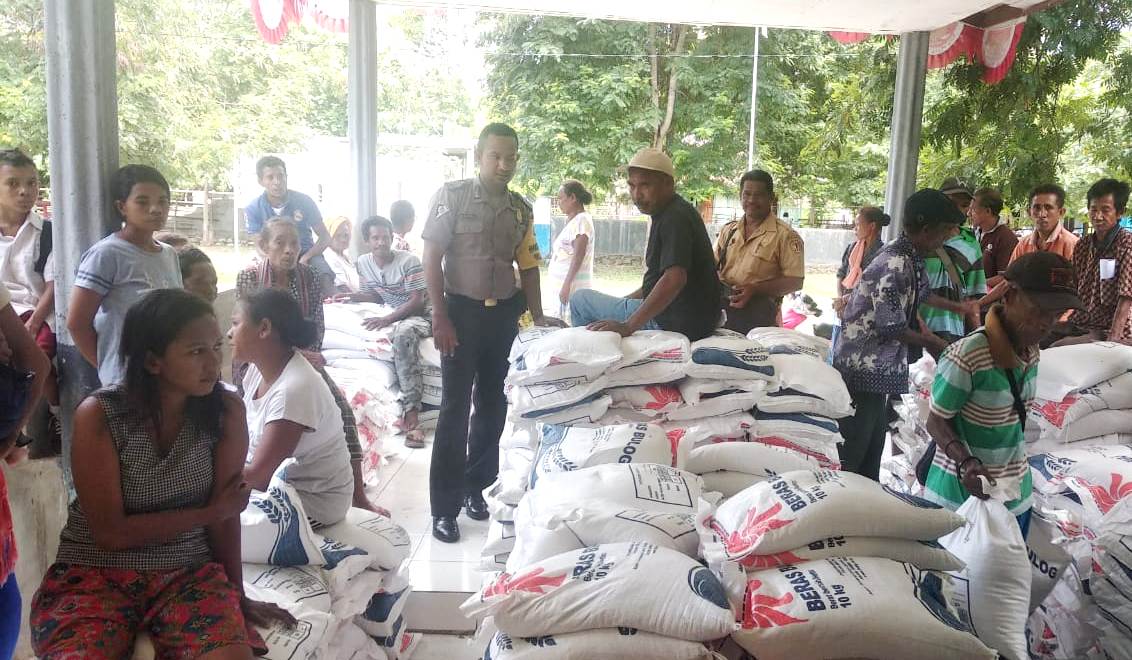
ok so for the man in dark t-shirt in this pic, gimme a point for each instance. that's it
(680, 289)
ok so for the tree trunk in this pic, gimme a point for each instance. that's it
(654, 67)
(661, 137)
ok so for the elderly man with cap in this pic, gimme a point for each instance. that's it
(477, 232)
(680, 290)
(955, 273)
(959, 192)
(984, 384)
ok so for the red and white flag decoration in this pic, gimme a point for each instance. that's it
(995, 48)
(274, 17)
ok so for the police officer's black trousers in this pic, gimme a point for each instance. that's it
(465, 456)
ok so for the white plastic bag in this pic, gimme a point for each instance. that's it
(994, 588)
(633, 585)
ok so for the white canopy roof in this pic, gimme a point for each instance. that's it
(885, 16)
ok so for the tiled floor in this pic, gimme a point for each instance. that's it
(443, 575)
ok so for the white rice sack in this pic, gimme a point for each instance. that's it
(500, 538)
(1069, 368)
(496, 507)
(546, 529)
(385, 607)
(650, 400)
(1056, 416)
(694, 389)
(775, 336)
(798, 508)
(1102, 466)
(729, 355)
(926, 555)
(816, 437)
(645, 486)
(526, 338)
(728, 483)
(309, 638)
(563, 353)
(1048, 559)
(569, 448)
(993, 591)
(603, 644)
(788, 400)
(384, 540)
(287, 585)
(802, 369)
(650, 357)
(696, 432)
(634, 585)
(429, 354)
(749, 457)
(343, 563)
(519, 433)
(350, 641)
(853, 607)
(274, 529)
(716, 404)
(1100, 423)
(586, 411)
(531, 399)
(618, 416)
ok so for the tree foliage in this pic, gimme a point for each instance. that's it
(198, 88)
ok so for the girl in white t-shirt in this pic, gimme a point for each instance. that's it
(572, 254)
(294, 426)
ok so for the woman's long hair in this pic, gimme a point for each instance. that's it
(150, 326)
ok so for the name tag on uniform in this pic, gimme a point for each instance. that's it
(1108, 269)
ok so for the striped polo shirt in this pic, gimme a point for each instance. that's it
(967, 255)
(972, 389)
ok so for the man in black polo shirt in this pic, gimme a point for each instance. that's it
(680, 291)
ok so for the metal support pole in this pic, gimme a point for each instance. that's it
(82, 129)
(907, 121)
(754, 102)
(361, 104)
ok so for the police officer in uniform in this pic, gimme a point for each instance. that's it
(476, 233)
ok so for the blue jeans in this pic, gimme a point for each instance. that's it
(587, 306)
(1024, 522)
(9, 617)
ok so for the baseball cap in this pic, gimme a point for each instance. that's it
(931, 207)
(1048, 280)
(655, 160)
(953, 185)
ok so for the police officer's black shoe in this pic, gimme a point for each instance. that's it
(445, 529)
(476, 507)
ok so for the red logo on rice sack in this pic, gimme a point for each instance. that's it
(759, 610)
(753, 528)
(672, 354)
(1054, 411)
(674, 444)
(662, 395)
(534, 582)
(770, 561)
(1117, 490)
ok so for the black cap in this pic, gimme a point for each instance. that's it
(1048, 280)
(931, 207)
(953, 185)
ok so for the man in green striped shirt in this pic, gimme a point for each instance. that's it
(961, 278)
(985, 381)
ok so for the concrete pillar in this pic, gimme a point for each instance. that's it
(82, 126)
(907, 122)
(361, 107)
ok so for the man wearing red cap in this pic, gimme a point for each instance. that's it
(680, 289)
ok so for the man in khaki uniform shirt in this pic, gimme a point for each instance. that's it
(760, 257)
(476, 233)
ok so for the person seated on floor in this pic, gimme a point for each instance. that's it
(680, 290)
(290, 414)
(152, 542)
(396, 278)
(338, 255)
(197, 273)
(281, 269)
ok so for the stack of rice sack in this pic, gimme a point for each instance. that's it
(517, 447)
(360, 362)
(341, 584)
(1079, 541)
(824, 564)
(1084, 395)
(604, 566)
